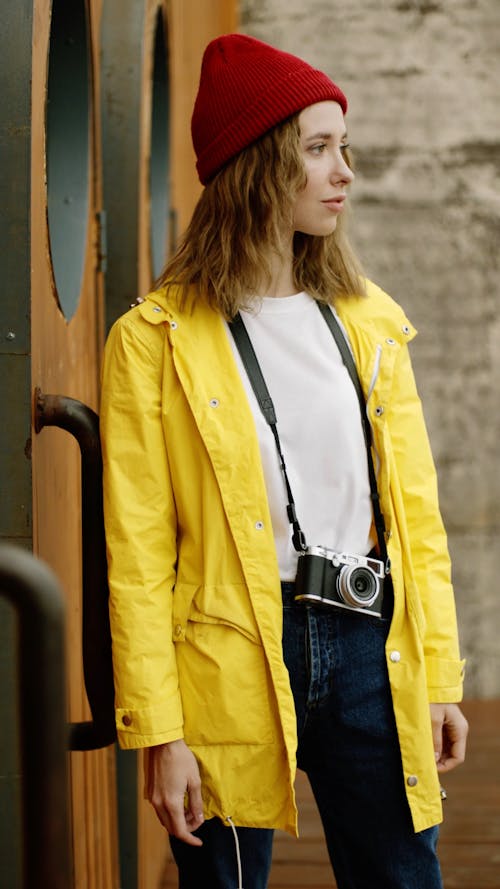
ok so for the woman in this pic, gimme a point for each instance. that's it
(233, 655)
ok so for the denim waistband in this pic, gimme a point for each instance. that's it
(287, 592)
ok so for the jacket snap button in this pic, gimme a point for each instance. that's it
(412, 781)
(137, 301)
(173, 325)
(157, 309)
(405, 329)
(259, 525)
(214, 402)
(379, 411)
(390, 341)
(127, 720)
(395, 657)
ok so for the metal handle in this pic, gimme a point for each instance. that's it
(33, 591)
(83, 423)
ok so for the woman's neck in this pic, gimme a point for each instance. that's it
(281, 282)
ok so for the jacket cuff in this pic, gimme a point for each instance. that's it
(444, 680)
(150, 726)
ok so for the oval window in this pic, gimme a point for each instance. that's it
(67, 148)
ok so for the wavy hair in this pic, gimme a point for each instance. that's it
(237, 225)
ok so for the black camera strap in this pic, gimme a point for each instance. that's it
(252, 367)
(348, 359)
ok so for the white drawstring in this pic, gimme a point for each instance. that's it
(238, 856)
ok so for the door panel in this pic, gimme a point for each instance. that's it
(147, 140)
(67, 337)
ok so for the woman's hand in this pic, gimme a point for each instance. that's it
(174, 789)
(449, 731)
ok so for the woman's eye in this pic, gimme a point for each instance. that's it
(345, 146)
(318, 149)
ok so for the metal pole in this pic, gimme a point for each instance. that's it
(34, 592)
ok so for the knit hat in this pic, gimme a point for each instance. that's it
(246, 88)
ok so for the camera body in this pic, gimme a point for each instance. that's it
(342, 580)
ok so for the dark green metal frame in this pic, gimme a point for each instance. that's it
(33, 591)
(15, 384)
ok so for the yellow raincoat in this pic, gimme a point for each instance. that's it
(195, 597)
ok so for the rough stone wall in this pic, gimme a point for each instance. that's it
(423, 83)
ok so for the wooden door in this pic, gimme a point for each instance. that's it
(166, 42)
(67, 337)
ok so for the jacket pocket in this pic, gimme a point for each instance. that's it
(226, 604)
(225, 686)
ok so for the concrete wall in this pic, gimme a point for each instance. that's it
(422, 79)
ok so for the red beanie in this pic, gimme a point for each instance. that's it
(246, 88)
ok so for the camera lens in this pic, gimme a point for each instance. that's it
(358, 586)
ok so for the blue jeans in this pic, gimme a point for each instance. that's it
(215, 866)
(349, 749)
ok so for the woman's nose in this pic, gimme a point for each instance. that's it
(341, 172)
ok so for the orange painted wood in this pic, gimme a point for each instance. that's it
(193, 25)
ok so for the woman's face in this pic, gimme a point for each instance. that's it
(323, 140)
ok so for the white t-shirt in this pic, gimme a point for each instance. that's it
(319, 425)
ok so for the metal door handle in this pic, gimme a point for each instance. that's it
(83, 423)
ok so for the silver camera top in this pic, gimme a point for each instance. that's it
(350, 559)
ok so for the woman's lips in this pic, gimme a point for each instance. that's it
(336, 203)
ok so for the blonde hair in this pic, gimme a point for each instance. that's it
(238, 222)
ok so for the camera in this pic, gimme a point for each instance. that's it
(343, 580)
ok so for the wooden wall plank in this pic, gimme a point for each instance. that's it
(192, 25)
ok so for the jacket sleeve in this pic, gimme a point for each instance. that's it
(140, 524)
(426, 535)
